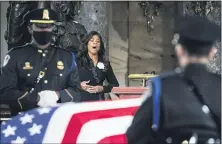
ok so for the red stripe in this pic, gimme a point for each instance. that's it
(117, 139)
(78, 120)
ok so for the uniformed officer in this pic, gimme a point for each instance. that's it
(185, 105)
(38, 73)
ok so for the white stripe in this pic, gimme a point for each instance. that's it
(61, 117)
(96, 130)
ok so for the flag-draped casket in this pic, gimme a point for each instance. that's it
(89, 122)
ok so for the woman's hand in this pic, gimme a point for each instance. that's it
(84, 85)
(95, 89)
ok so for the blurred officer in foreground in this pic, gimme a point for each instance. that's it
(38, 73)
(185, 105)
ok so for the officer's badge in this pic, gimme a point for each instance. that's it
(45, 14)
(60, 65)
(27, 66)
(7, 57)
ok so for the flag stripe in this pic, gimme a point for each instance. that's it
(115, 139)
(61, 117)
(95, 130)
(79, 121)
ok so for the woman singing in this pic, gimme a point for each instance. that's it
(94, 68)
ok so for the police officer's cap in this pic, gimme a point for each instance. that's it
(196, 30)
(42, 16)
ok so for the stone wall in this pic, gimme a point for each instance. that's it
(139, 51)
(119, 40)
(150, 51)
(3, 23)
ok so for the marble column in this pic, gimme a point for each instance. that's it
(94, 16)
(4, 47)
(119, 40)
(215, 16)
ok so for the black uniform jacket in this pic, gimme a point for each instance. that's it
(22, 67)
(87, 75)
(180, 106)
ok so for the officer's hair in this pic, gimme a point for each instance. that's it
(29, 26)
(196, 48)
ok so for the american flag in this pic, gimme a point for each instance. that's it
(91, 122)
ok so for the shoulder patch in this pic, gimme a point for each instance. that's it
(6, 60)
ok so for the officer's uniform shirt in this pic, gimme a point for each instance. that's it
(21, 79)
(189, 98)
(179, 105)
(21, 69)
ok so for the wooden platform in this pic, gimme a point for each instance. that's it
(129, 92)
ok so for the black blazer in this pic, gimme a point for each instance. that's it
(86, 74)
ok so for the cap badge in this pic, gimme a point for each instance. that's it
(27, 66)
(60, 65)
(45, 14)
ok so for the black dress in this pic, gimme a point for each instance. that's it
(97, 75)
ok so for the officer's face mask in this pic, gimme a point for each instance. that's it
(42, 33)
(42, 37)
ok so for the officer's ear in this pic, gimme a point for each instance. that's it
(179, 50)
(30, 29)
(212, 53)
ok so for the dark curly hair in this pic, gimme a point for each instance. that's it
(83, 59)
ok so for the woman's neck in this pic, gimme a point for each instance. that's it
(94, 58)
